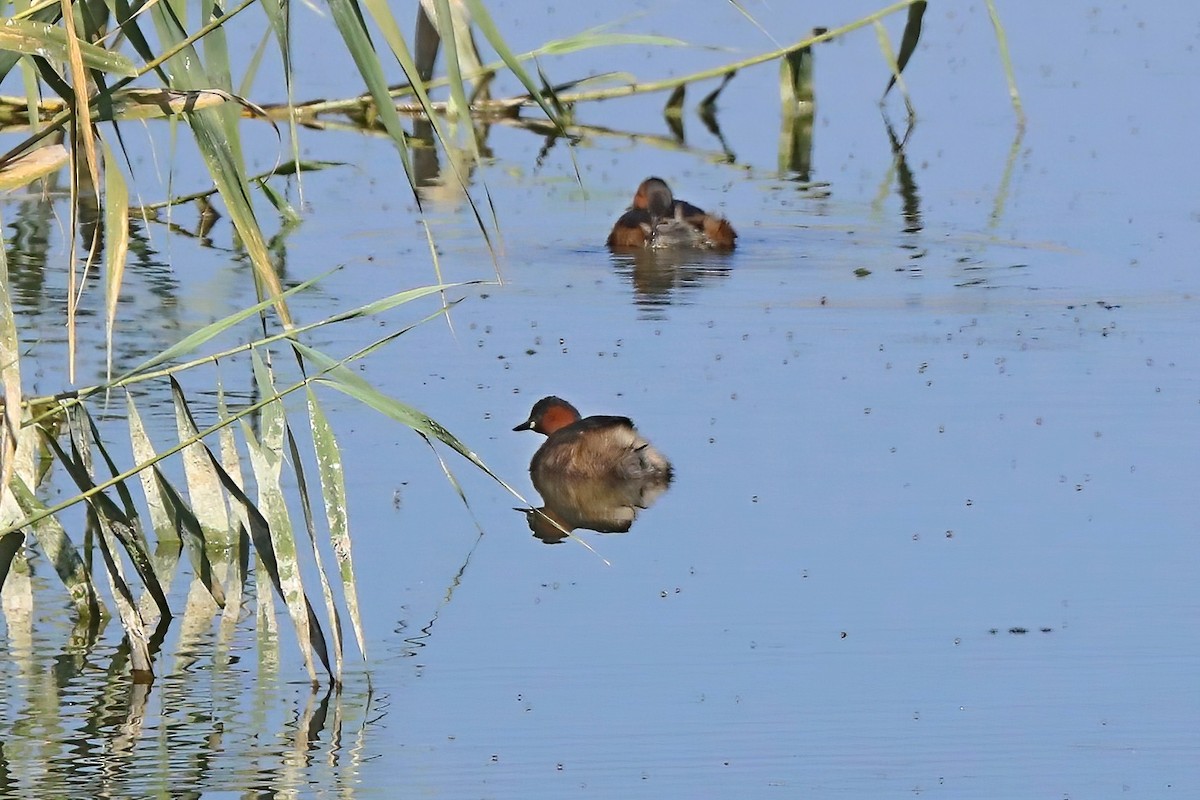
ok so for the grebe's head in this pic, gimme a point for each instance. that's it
(654, 196)
(549, 415)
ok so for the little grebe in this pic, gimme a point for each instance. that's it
(597, 447)
(658, 220)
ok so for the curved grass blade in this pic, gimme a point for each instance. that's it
(206, 517)
(453, 479)
(337, 376)
(281, 567)
(462, 495)
(130, 511)
(1006, 59)
(213, 135)
(909, 40)
(392, 301)
(643, 87)
(333, 491)
(592, 38)
(195, 340)
(286, 211)
(885, 47)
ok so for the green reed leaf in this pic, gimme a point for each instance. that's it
(909, 40)
(116, 244)
(112, 522)
(266, 461)
(347, 17)
(333, 491)
(60, 553)
(331, 609)
(33, 38)
(206, 499)
(143, 453)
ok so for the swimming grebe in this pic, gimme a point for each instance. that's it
(656, 219)
(597, 447)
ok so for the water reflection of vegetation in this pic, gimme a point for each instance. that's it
(82, 732)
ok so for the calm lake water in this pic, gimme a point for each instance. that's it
(935, 524)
